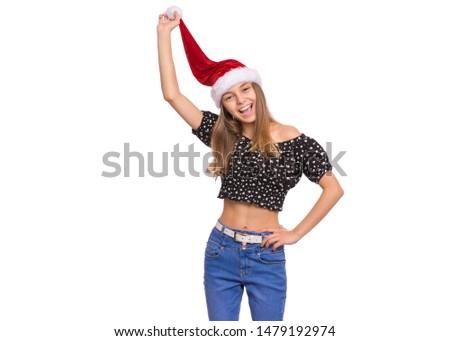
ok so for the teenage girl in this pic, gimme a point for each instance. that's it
(258, 160)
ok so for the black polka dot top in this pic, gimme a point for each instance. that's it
(265, 182)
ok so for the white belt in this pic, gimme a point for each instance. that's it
(238, 236)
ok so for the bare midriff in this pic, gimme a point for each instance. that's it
(244, 216)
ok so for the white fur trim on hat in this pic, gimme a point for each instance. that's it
(230, 79)
(170, 12)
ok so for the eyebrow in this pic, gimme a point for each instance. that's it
(242, 86)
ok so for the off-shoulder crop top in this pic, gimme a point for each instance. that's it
(265, 182)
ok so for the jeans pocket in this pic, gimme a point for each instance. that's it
(213, 250)
(277, 257)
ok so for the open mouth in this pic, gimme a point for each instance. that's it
(246, 110)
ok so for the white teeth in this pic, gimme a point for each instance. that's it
(245, 108)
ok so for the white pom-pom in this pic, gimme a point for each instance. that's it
(170, 12)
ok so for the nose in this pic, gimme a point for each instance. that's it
(239, 98)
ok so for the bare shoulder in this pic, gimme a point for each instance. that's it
(283, 132)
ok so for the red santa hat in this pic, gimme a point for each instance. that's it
(221, 76)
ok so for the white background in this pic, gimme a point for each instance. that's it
(81, 254)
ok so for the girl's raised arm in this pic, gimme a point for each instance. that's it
(169, 83)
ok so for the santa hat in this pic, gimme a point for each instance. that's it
(221, 76)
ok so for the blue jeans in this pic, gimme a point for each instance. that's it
(230, 266)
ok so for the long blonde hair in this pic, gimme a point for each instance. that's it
(227, 131)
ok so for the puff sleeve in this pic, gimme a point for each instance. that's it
(313, 158)
(204, 131)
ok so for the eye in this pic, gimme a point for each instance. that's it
(228, 97)
(246, 89)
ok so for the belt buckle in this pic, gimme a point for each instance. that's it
(244, 244)
(240, 235)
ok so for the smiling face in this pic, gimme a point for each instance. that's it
(240, 102)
